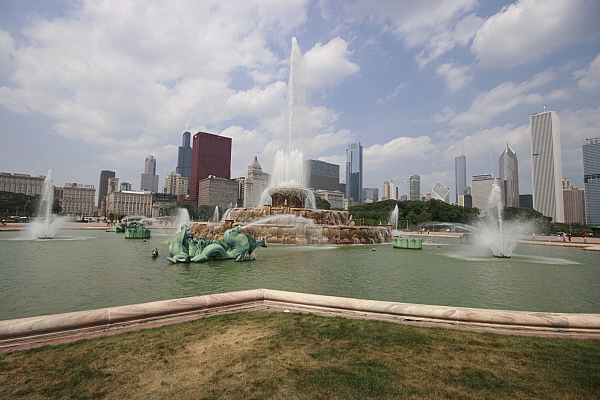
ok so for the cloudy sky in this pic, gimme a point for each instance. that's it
(101, 84)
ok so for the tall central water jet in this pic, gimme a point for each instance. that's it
(288, 180)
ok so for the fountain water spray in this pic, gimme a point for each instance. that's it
(288, 167)
(492, 232)
(216, 214)
(394, 218)
(45, 225)
(183, 217)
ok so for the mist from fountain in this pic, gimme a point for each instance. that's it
(491, 232)
(45, 224)
(183, 217)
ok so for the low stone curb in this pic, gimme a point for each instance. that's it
(37, 331)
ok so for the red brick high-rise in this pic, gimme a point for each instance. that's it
(211, 155)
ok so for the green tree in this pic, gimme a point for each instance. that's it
(56, 207)
(322, 204)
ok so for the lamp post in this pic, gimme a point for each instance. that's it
(406, 224)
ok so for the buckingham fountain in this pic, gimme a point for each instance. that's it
(287, 212)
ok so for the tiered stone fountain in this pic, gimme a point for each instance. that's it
(287, 213)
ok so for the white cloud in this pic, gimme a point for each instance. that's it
(528, 30)
(327, 65)
(504, 97)
(588, 78)
(397, 90)
(456, 76)
(436, 26)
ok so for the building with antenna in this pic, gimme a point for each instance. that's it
(546, 165)
(509, 177)
(184, 157)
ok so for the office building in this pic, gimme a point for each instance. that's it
(440, 192)
(526, 201)
(77, 199)
(211, 156)
(129, 203)
(334, 197)
(125, 186)
(546, 165)
(149, 181)
(591, 180)
(255, 184)
(389, 191)
(481, 189)
(21, 183)
(509, 177)
(322, 175)
(214, 191)
(574, 201)
(370, 195)
(354, 172)
(175, 184)
(163, 205)
(460, 175)
(413, 187)
(465, 200)
(103, 186)
(184, 158)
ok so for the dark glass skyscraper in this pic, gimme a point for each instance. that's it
(591, 180)
(184, 158)
(103, 185)
(211, 155)
(354, 172)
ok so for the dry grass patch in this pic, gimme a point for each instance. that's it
(292, 356)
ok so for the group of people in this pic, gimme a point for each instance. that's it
(567, 236)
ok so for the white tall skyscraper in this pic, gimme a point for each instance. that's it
(509, 177)
(546, 165)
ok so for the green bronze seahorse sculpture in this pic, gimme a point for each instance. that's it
(235, 245)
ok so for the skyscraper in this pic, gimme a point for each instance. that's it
(211, 156)
(184, 158)
(546, 165)
(440, 192)
(254, 185)
(460, 175)
(103, 186)
(389, 191)
(509, 177)
(591, 180)
(354, 172)
(481, 187)
(322, 175)
(149, 179)
(413, 187)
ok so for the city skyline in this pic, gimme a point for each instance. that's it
(414, 82)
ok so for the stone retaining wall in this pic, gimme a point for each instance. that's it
(78, 325)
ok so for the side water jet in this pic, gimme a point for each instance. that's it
(45, 225)
(492, 232)
(216, 214)
(394, 218)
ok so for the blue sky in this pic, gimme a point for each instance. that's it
(93, 85)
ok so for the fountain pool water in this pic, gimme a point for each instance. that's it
(45, 224)
(37, 277)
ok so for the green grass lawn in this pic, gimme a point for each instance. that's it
(261, 355)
